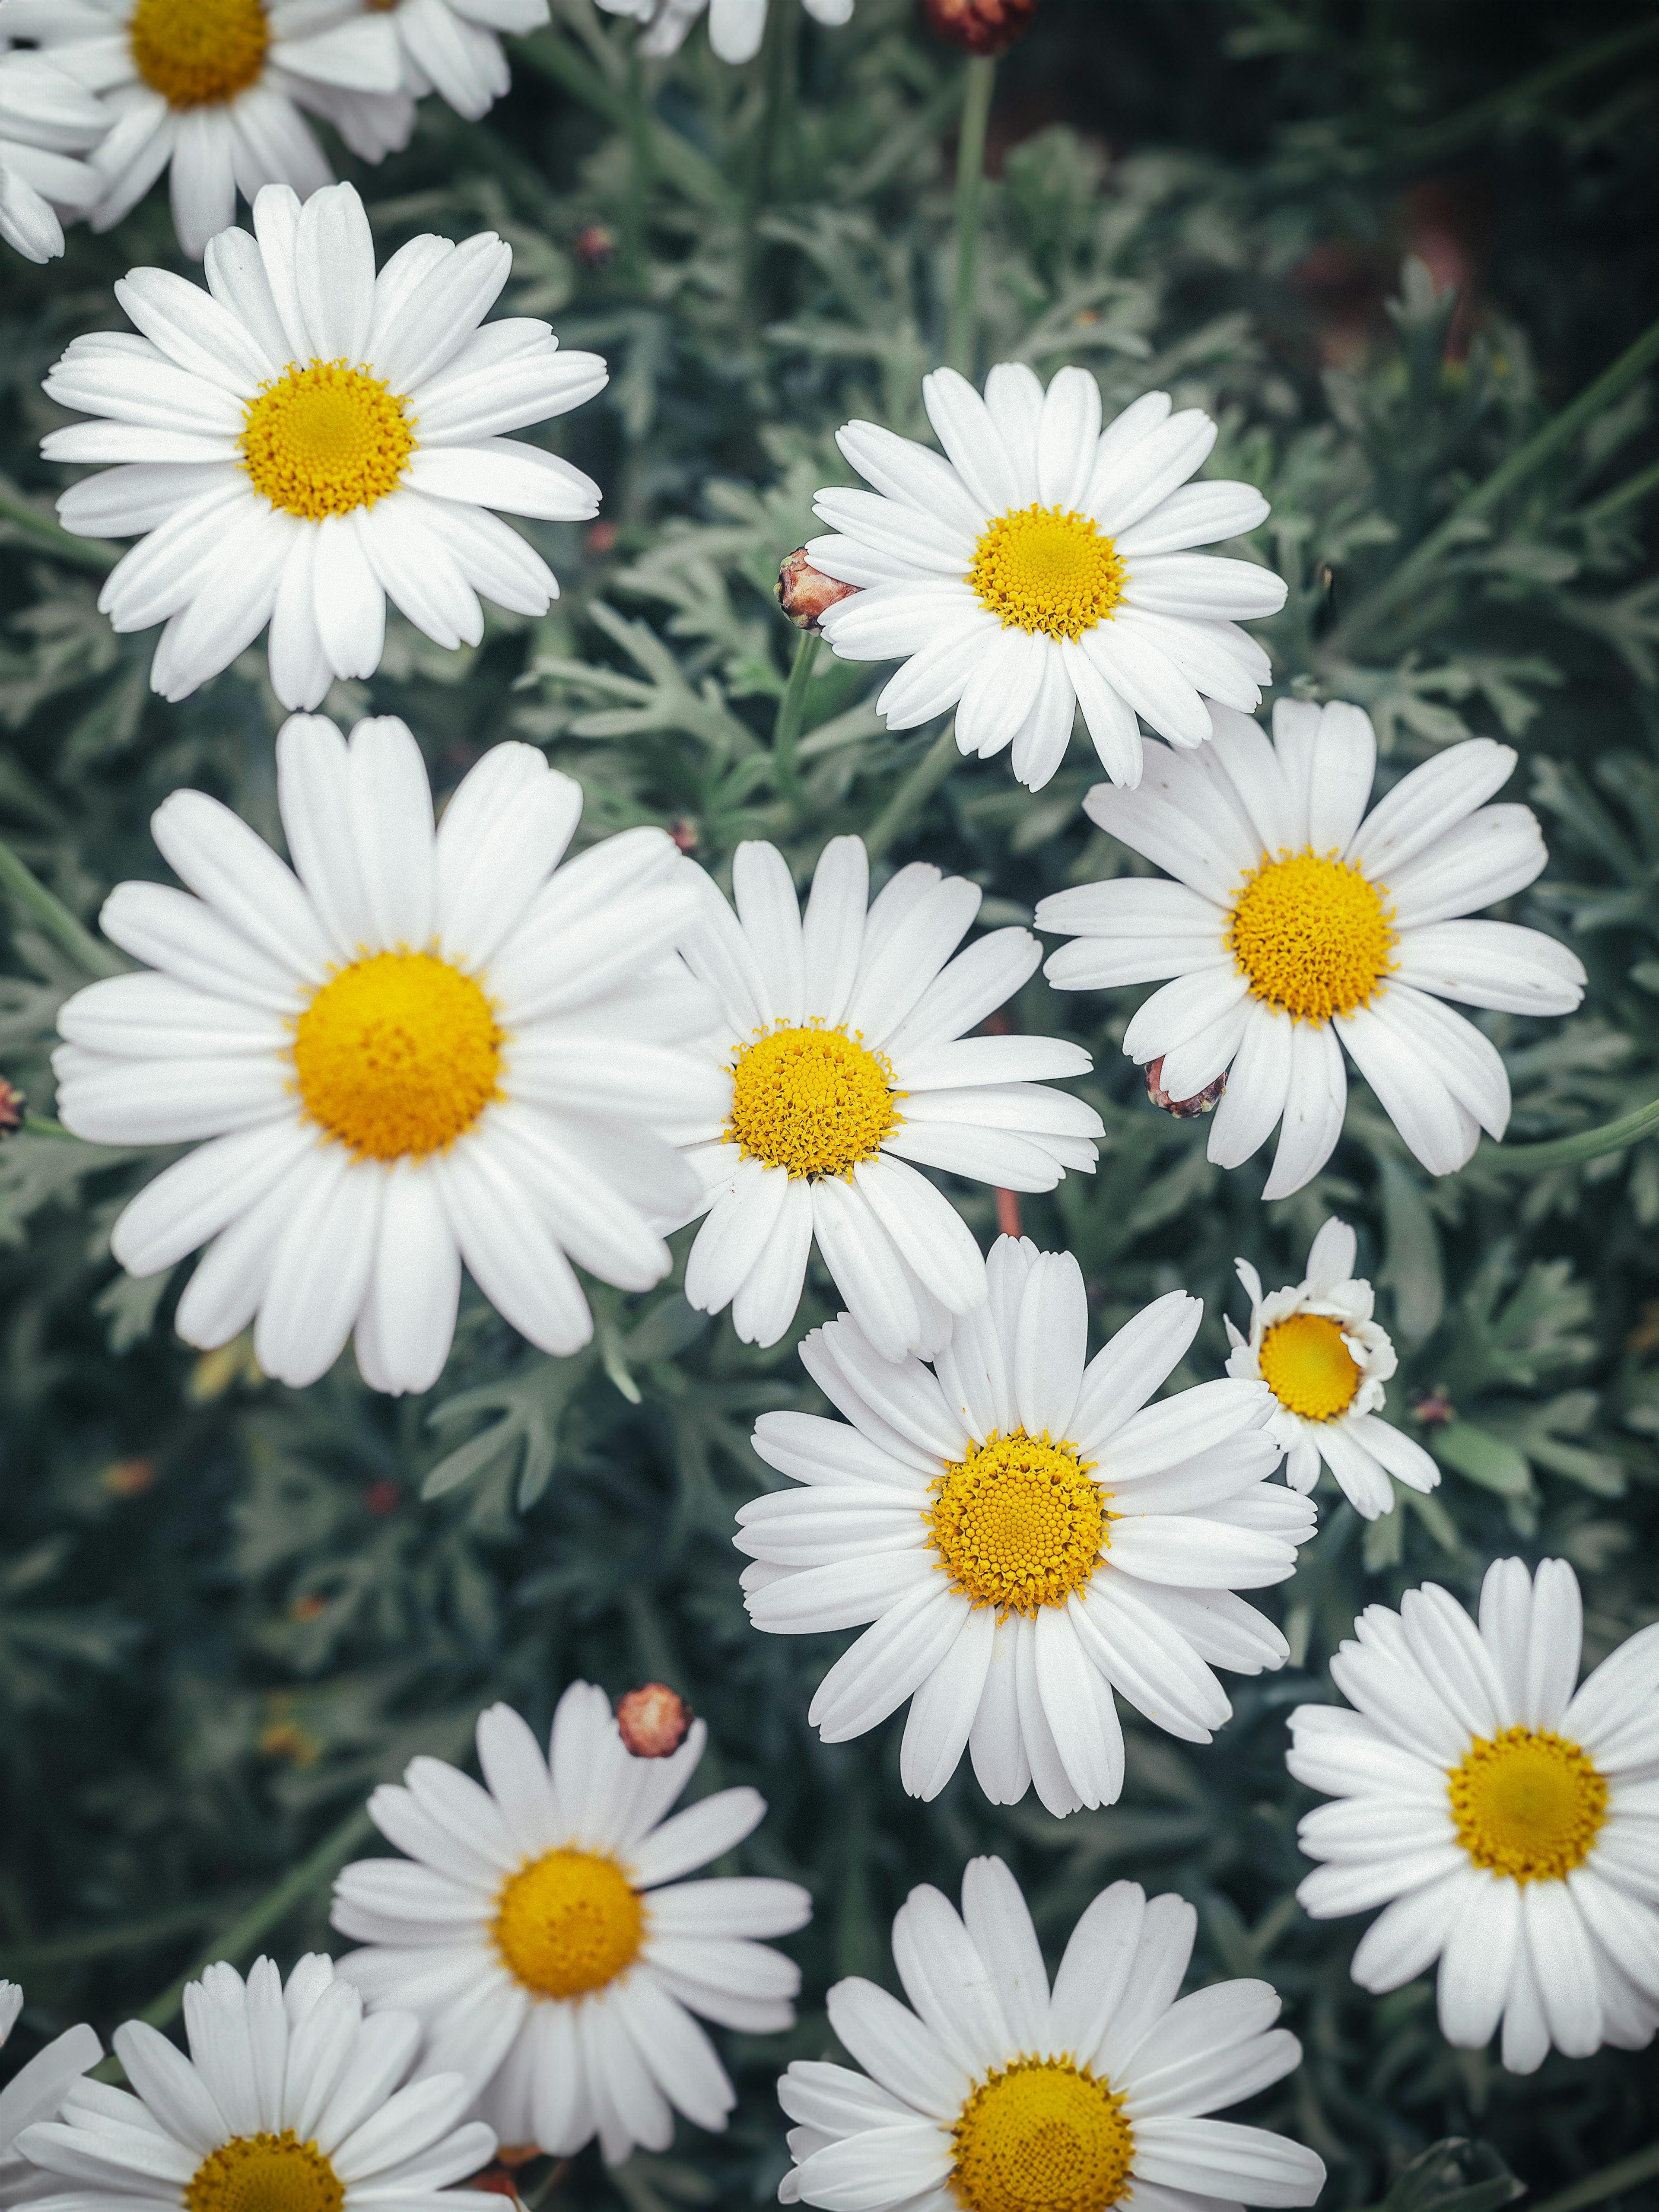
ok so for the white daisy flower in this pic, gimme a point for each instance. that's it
(1508, 1824)
(304, 439)
(1043, 565)
(416, 1049)
(46, 120)
(36, 2092)
(1315, 1346)
(453, 47)
(1299, 924)
(547, 1939)
(843, 1057)
(736, 27)
(211, 90)
(1026, 1533)
(290, 2096)
(998, 2093)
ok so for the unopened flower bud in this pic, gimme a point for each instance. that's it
(596, 246)
(1184, 1110)
(12, 1103)
(980, 26)
(654, 1721)
(805, 594)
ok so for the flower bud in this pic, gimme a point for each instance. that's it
(12, 1103)
(654, 1721)
(805, 595)
(596, 245)
(980, 26)
(1184, 1110)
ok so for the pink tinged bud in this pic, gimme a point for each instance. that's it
(12, 1103)
(806, 595)
(654, 1721)
(980, 26)
(1184, 1110)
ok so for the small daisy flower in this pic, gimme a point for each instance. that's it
(736, 27)
(547, 1938)
(452, 47)
(46, 120)
(36, 2092)
(1026, 1533)
(304, 439)
(999, 2094)
(844, 1057)
(414, 1051)
(1299, 924)
(212, 91)
(1042, 565)
(1315, 1346)
(1507, 1822)
(290, 2096)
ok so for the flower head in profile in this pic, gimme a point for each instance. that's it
(1504, 1818)
(846, 1065)
(36, 2092)
(1315, 1346)
(417, 1047)
(1044, 564)
(1019, 1534)
(547, 1937)
(213, 91)
(47, 122)
(453, 47)
(736, 27)
(1000, 2093)
(1299, 923)
(305, 440)
(290, 2096)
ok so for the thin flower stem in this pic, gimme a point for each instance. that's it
(792, 713)
(51, 538)
(779, 61)
(1625, 495)
(545, 2187)
(641, 167)
(914, 794)
(27, 892)
(676, 159)
(1624, 2173)
(1567, 1151)
(102, 1942)
(980, 82)
(37, 1125)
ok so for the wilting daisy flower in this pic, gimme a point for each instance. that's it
(843, 1057)
(1506, 1822)
(417, 1049)
(735, 26)
(213, 89)
(451, 47)
(289, 2097)
(1026, 1533)
(1045, 565)
(36, 2092)
(1000, 2094)
(46, 120)
(1315, 1346)
(1297, 920)
(547, 1939)
(305, 440)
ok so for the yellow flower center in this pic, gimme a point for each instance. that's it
(1049, 569)
(1527, 1803)
(325, 439)
(196, 53)
(1042, 2136)
(1018, 1524)
(1308, 1367)
(398, 1054)
(569, 1924)
(265, 2173)
(813, 1100)
(1312, 934)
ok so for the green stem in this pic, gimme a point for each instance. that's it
(639, 167)
(780, 64)
(37, 1125)
(914, 794)
(1567, 1151)
(103, 1942)
(1624, 2173)
(30, 894)
(1438, 138)
(51, 538)
(1560, 431)
(676, 158)
(1632, 488)
(792, 713)
(979, 84)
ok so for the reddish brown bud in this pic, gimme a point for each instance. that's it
(805, 595)
(685, 833)
(980, 26)
(596, 246)
(654, 1721)
(382, 1497)
(1184, 1110)
(128, 1478)
(1434, 1410)
(602, 538)
(12, 1103)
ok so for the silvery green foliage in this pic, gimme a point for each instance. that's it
(227, 1610)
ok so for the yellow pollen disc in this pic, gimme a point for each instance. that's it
(813, 1100)
(1042, 2136)
(325, 439)
(196, 53)
(1313, 935)
(1527, 1803)
(1049, 569)
(1018, 1524)
(569, 1924)
(398, 1054)
(1308, 1367)
(265, 2173)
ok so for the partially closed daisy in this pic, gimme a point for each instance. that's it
(305, 440)
(212, 91)
(1043, 565)
(416, 1049)
(1026, 1534)
(999, 2093)
(1299, 924)
(36, 2092)
(453, 47)
(736, 27)
(1315, 1346)
(547, 1938)
(844, 1057)
(1506, 1822)
(46, 121)
(289, 2097)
